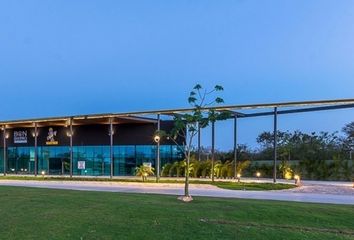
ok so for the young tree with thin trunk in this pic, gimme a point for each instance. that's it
(188, 124)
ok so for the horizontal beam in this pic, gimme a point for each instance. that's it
(238, 114)
(302, 110)
(249, 106)
(186, 110)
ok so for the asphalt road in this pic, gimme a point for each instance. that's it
(321, 192)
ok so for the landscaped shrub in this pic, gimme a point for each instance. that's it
(144, 171)
(285, 168)
(166, 170)
(202, 169)
(195, 168)
(205, 167)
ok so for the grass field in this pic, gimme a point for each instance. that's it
(227, 185)
(30, 213)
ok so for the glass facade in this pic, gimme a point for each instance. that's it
(124, 160)
(96, 158)
(87, 160)
(53, 160)
(20, 160)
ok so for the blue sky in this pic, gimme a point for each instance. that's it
(78, 57)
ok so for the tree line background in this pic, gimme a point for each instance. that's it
(315, 156)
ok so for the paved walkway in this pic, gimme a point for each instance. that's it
(315, 192)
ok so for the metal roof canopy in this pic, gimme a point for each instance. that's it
(136, 117)
(309, 106)
(65, 121)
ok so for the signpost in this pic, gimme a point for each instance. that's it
(81, 165)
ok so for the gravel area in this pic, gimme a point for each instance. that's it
(321, 188)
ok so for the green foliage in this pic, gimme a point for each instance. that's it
(187, 125)
(348, 129)
(242, 165)
(205, 168)
(227, 170)
(66, 214)
(177, 169)
(165, 172)
(285, 168)
(195, 168)
(319, 155)
(144, 171)
(202, 169)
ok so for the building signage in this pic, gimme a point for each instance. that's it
(81, 165)
(20, 136)
(51, 138)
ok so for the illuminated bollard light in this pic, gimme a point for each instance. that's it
(238, 177)
(258, 174)
(297, 180)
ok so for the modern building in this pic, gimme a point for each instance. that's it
(93, 145)
(115, 144)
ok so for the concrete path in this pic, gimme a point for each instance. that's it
(301, 194)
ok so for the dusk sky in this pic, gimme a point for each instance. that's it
(93, 56)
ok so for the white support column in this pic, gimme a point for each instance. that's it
(35, 149)
(212, 149)
(158, 150)
(111, 145)
(71, 147)
(235, 146)
(4, 145)
(275, 133)
(199, 139)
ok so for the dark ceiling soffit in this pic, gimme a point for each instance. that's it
(325, 103)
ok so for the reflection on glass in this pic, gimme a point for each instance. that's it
(55, 160)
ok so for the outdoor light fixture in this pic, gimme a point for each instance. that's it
(111, 132)
(258, 174)
(157, 138)
(43, 173)
(67, 123)
(238, 177)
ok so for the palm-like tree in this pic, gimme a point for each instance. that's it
(144, 172)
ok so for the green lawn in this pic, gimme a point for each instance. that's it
(252, 186)
(227, 185)
(30, 213)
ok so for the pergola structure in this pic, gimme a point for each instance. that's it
(237, 111)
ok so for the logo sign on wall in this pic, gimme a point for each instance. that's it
(51, 138)
(20, 136)
(81, 165)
